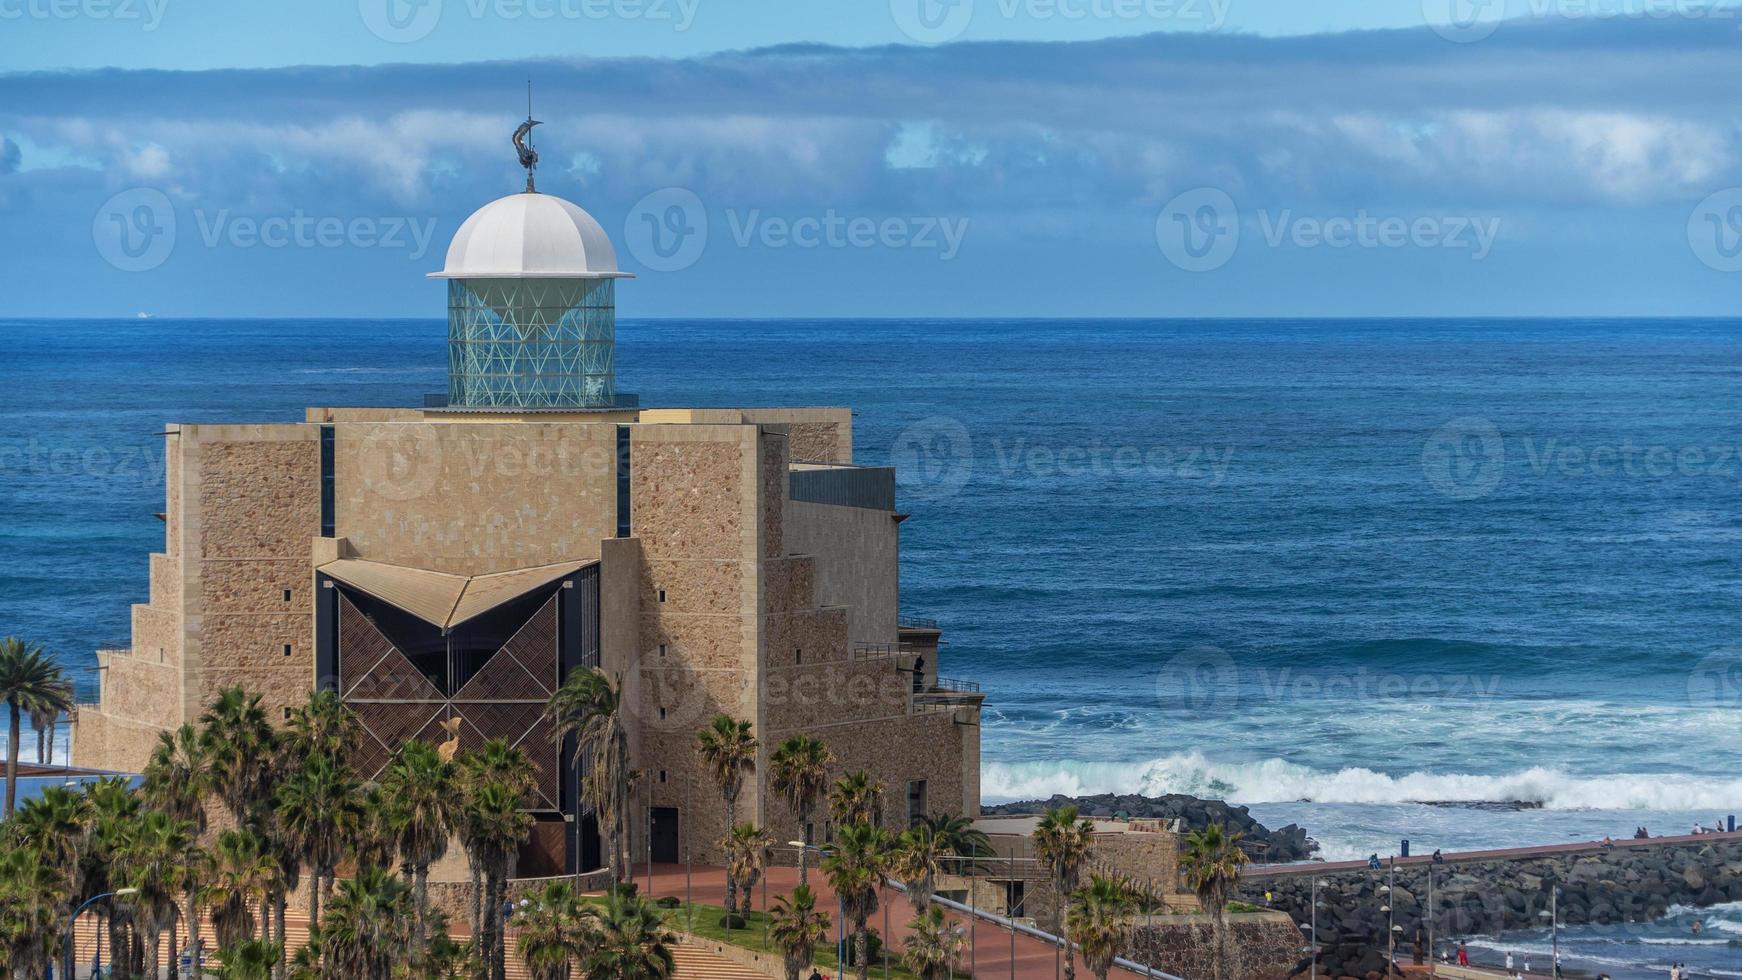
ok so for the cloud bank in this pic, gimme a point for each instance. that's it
(1590, 141)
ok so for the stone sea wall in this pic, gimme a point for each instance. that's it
(1632, 881)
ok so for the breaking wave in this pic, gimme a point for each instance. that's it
(1279, 781)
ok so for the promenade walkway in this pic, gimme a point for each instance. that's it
(1498, 854)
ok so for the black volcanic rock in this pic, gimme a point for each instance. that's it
(1289, 843)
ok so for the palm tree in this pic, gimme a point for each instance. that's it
(1212, 862)
(113, 812)
(589, 707)
(318, 810)
(1063, 843)
(854, 868)
(1099, 921)
(251, 959)
(154, 863)
(244, 875)
(32, 894)
(178, 778)
(798, 928)
(746, 851)
(855, 798)
(494, 763)
(241, 745)
(922, 852)
(729, 751)
(552, 929)
(420, 814)
(799, 769)
(629, 942)
(492, 827)
(367, 929)
(29, 682)
(44, 718)
(323, 725)
(934, 945)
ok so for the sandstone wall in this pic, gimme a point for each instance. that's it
(1261, 946)
(470, 498)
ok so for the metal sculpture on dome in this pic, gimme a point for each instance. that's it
(532, 305)
(523, 142)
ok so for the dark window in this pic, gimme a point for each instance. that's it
(286, 595)
(287, 649)
(662, 649)
(662, 775)
(661, 595)
(327, 497)
(798, 656)
(915, 801)
(623, 481)
(662, 714)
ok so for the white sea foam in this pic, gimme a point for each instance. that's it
(1275, 780)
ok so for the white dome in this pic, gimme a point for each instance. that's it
(531, 236)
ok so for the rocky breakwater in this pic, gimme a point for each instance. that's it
(1494, 892)
(1289, 843)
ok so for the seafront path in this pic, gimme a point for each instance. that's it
(994, 954)
(1310, 868)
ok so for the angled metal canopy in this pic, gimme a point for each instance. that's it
(439, 598)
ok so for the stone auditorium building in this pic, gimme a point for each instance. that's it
(458, 560)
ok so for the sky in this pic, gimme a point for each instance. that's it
(867, 158)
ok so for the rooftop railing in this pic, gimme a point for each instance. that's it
(956, 686)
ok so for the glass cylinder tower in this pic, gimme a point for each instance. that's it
(532, 313)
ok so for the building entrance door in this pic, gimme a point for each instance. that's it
(665, 835)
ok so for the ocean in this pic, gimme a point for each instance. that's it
(1473, 583)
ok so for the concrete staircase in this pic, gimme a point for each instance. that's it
(694, 963)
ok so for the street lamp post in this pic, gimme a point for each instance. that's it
(840, 911)
(1314, 938)
(74, 918)
(1554, 924)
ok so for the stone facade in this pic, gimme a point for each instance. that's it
(718, 593)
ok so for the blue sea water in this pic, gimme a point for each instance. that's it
(1330, 569)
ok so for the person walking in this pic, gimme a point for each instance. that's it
(1509, 970)
(1463, 955)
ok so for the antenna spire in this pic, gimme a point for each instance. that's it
(523, 141)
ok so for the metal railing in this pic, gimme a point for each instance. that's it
(863, 650)
(918, 623)
(956, 686)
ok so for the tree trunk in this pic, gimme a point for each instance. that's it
(279, 901)
(420, 887)
(117, 940)
(477, 904)
(314, 900)
(193, 929)
(862, 951)
(731, 880)
(804, 853)
(174, 952)
(12, 759)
